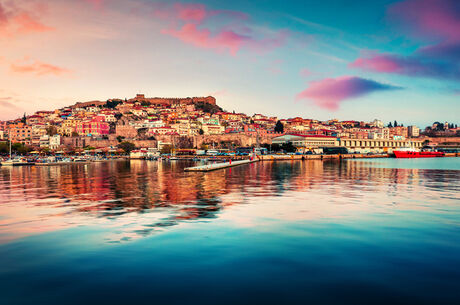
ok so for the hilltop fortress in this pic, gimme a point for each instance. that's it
(173, 100)
(153, 100)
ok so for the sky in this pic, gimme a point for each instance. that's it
(349, 60)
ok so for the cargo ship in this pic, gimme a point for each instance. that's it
(412, 153)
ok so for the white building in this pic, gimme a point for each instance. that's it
(209, 129)
(377, 123)
(306, 141)
(413, 131)
(55, 141)
(52, 142)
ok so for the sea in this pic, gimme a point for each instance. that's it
(359, 231)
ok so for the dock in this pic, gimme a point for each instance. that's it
(215, 166)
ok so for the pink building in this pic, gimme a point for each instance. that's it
(94, 127)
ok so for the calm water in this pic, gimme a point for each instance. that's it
(381, 231)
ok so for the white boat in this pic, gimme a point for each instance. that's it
(80, 159)
(15, 161)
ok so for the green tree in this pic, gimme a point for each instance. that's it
(288, 147)
(112, 104)
(45, 150)
(51, 130)
(201, 132)
(145, 103)
(126, 146)
(20, 148)
(166, 149)
(4, 148)
(74, 134)
(206, 107)
(395, 124)
(24, 119)
(279, 127)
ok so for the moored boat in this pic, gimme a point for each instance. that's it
(16, 162)
(412, 153)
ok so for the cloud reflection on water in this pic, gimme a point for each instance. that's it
(137, 198)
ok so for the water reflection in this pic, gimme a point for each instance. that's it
(138, 198)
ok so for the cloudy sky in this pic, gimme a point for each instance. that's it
(393, 60)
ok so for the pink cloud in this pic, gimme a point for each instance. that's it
(38, 68)
(330, 92)
(417, 64)
(378, 63)
(26, 23)
(224, 40)
(305, 72)
(191, 12)
(19, 21)
(429, 18)
(226, 32)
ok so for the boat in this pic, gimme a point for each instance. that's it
(16, 161)
(80, 160)
(412, 153)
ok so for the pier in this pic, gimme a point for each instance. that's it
(215, 166)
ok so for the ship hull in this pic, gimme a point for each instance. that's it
(418, 154)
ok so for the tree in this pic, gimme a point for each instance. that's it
(207, 107)
(24, 118)
(120, 138)
(184, 142)
(201, 132)
(45, 150)
(20, 148)
(126, 146)
(51, 130)
(145, 103)
(395, 124)
(279, 127)
(74, 134)
(166, 149)
(389, 125)
(288, 147)
(112, 104)
(4, 148)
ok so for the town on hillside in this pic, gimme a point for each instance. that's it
(198, 123)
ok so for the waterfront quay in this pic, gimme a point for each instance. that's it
(216, 166)
(280, 157)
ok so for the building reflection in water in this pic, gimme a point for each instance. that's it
(138, 198)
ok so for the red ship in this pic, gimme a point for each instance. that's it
(417, 154)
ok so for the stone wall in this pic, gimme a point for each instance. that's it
(453, 140)
(81, 142)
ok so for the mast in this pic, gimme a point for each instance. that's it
(10, 149)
